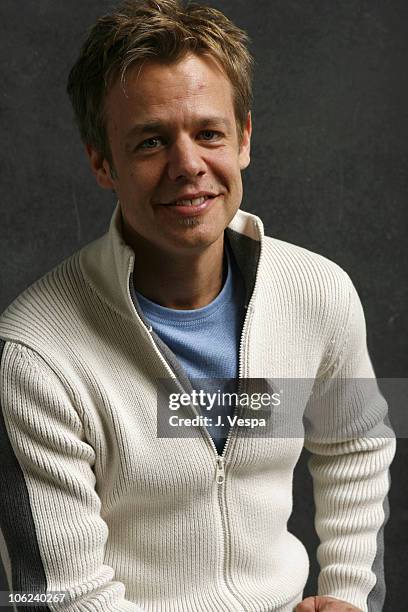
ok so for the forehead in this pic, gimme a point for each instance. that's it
(192, 85)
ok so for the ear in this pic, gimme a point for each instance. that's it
(245, 149)
(100, 168)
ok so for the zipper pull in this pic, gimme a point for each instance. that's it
(220, 471)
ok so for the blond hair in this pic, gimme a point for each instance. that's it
(163, 30)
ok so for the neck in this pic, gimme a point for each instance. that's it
(183, 281)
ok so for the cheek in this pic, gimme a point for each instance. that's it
(140, 181)
(232, 174)
(227, 164)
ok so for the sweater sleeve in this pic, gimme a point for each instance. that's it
(352, 447)
(52, 533)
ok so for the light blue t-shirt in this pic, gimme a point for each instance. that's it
(205, 340)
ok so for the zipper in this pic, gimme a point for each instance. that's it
(244, 333)
(220, 476)
(220, 466)
(220, 472)
(220, 460)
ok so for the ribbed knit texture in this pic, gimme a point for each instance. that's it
(93, 502)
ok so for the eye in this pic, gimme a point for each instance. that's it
(209, 135)
(150, 143)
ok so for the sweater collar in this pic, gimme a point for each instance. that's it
(108, 262)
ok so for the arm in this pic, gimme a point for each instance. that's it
(352, 448)
(52, 532)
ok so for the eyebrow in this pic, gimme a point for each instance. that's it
(138, 129)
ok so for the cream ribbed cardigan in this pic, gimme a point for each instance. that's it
(94, 503)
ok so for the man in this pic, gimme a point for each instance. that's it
(184, 285)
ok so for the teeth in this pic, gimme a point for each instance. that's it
(194, 202)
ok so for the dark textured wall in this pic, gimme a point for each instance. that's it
(328, 172)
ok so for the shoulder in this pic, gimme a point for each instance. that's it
(313, 294)
(319, 302)
(304, 272)
(49, 306)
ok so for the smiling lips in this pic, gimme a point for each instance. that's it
(191, 206)
(194, 200)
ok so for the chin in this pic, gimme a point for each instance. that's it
(194, 235)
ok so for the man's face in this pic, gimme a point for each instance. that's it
(173, 138)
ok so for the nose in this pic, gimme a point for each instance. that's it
(185, 160)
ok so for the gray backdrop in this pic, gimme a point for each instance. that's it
(328, 171)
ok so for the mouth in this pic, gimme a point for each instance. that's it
(193, 200)
(191, 206)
